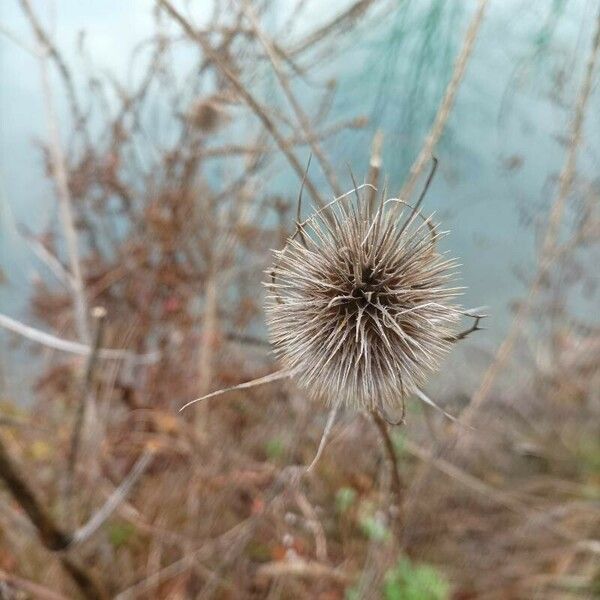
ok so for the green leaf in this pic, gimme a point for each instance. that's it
(374, 528)
(274, 449)
(120, 533)
(344, 499)
(409, 581)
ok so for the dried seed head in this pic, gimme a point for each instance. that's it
(358, 307)
(207, 114)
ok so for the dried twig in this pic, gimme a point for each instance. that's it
(313, 522)
(49, 533)
(244, 93)
(206, 360)
(447, 103)
(99, 315)
(29, 587)
(352, 13)
(53, 341)
(115, 499)
(297, 139)
(324, 438)
(480, 487)
(397, 487)
(60, 176)
(47, 47)
(303, 568)
(427, 400)
(276, 376)
(302, 117)
(55, 266)
(52, 536)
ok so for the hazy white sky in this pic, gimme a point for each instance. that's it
(499, 64)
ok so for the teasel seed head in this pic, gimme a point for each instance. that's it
(360, 307)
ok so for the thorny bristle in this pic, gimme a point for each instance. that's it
(358, 307)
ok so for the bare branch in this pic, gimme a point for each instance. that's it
(301, 116)
(53, 341)
(447, 103)
(466, 332)
(47, 47)
(480, 487)
(99, 315)
(250, 100)
(59, 172)
(352, 13)
(55, 266)
(49, 533)
(114, 500)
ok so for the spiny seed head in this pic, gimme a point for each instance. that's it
(358, 307)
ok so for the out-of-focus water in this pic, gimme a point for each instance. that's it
(501, 151)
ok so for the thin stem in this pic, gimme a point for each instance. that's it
(374, 169)
(53, 341)
(446, 104)
(114, 500)
(99, 315)
(388, 445)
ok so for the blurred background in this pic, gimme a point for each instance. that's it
(151, 156)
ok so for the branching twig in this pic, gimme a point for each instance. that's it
(49, 533)
(467, 332)
(52, 536)
(245, 94)
(48, 47)
(60, 175)
(353, 12)
(48, 259)
(302, 117)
